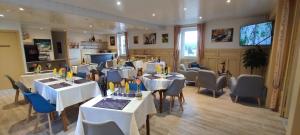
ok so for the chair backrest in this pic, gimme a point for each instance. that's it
(249, 86)
(176, 87)
(109, 64)
(106, 128)
(133, 86)
(12, 81)
(38, 103)
(100, 66)
(129, 64)
(207, 79)
(81, 74)
(22, 87)
(182, 67)
(113, 76)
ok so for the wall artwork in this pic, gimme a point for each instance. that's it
(165, 38)
(44, 46)
(150, 38)
(136, 39)
(112, 40)
(222, 35)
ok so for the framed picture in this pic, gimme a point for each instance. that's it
(44, 45)
(112, 40)
(165, 38)
(150, 38)
(222, 35)
(136, 39)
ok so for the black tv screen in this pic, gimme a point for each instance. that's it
(257, 34)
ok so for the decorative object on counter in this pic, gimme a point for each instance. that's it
(112, 40)
(25, 35)
(222, 35)
(38, 68)
(165, 38)
(135, 39)
(150, 38)
(255, 57)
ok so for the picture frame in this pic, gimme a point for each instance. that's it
(112, 40)
(135, 39)
(165, 38)
(149, 38)
(222, 35)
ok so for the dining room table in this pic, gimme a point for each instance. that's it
(28, 78)
(64, 93)
(160, 83)
(129, 113)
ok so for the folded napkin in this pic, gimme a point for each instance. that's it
(80, 81)
(60, 85)
(48, 80)
(111, 103)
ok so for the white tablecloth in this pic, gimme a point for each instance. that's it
(28, 79)
(67, 96)
(125, 72)
(158, 84)
(138, 64)
(130, 119)
(150, 67)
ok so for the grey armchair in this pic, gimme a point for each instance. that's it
(209, 80)
(190, 74)
(247, 86)
(107, 128)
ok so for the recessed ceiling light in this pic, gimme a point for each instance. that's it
(184, 9)
(119, 3)
(7, 10)
(153, 14)
(91, 26)
(1, 15)
(200, 17)
(228, 1)
(41, 28)
(21, 9)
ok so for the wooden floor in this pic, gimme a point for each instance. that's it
(203, 115)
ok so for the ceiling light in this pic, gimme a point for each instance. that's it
(41, 28)
(228, 1)
(1, 15)
(200, 17)
(7, 10)
(91, 26)
(119, 3)
(21, 9)
(153, 14)
(184, 9)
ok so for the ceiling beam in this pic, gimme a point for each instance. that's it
(70, 9)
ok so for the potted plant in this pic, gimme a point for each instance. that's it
(254, 57)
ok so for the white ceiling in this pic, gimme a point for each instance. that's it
(107, 17)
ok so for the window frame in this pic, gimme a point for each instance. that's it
(182, 36)
(119, 44)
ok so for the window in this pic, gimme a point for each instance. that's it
(121, 44)
(189, 42)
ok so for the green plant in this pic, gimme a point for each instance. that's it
(254, 57)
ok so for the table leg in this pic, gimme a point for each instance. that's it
(147, 125)
(64, 120)
(160, 101)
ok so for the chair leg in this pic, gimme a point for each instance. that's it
(258, 101)
(29, 111)
(17, 96)
(49, 122)
(173, 99)
(182, 97)
(37, 121)
(180, 103)
(170, 104)
(214, 94)
(236, 99)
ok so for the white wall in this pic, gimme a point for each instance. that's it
(159, 44)
(228, 23)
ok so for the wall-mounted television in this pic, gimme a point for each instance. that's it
(257, 34)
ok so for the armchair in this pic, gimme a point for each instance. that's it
(247, 86)
(190, 74)
(209, 79)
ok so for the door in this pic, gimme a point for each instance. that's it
(11, 58)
